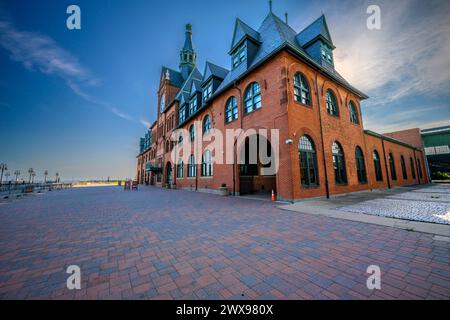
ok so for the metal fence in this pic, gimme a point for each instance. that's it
(7, 189)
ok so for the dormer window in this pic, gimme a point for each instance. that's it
(239, 55)
(182, 114)
(327, 53)
(193, 105)
(207, 91)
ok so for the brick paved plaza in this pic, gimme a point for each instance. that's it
(172, 244)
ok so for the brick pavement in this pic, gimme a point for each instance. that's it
(172, 244)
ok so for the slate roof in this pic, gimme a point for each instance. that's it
(185, 89)
(212, 69)
(318, 28)
(241, 30)
(274, 34)
(175, 77)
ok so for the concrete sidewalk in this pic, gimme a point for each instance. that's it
(329, 207)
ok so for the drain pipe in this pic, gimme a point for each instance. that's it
(385, 163)
(327, 190)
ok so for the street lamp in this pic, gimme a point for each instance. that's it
(33, 175)
(17, 173)
(45, 176)
(30, 171)
(3, 167)
(57, 177)
(7, 174)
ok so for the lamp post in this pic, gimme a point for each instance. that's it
(7, 174)
(17, 173)
(45, 176)
(3, 167)
(57, 177)
(30, 171)
(33, 175)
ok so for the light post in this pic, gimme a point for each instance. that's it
(3, 167)
(57, 177)
(17, 173)
(7, 174)
(30, 171)
(33, 175)
(45, 176)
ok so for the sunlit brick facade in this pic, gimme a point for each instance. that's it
(278, 79)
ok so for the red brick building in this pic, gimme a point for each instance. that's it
(278, 79)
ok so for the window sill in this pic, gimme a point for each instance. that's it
(333, 115)
(251, 112)
(230, 121)
(316, 186)
(302, 104)
(206, 177)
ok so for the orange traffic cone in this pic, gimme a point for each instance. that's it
(273, 195)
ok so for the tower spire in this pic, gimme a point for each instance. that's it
(270, 5)
(187, 54)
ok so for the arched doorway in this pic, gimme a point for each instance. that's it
(254, 174)
(169, 174)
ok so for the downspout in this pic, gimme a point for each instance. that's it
(385, 163)
(235, 142)
(327, 190)
(417, 167)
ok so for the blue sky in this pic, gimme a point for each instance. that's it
(76, 102)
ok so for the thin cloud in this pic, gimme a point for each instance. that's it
(39, 52)
(145, 123)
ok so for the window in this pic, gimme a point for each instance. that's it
(413, 171)
(327, 53)
(392, 167)
(332, 107)
(252, 100)
(360, 165)
(353, 113)
(206, 125)
(308, 162)
(301, 89)
(377, 165)
(402, 161)
(182, 114)
(231, 110)
(180, 168)
(340, 174)
(162, 103)
(419, 167)
(206, 164)
(180, 139)
(239, 55)
(207, 91)
(192, 169)
(192, 132)
(193, 105)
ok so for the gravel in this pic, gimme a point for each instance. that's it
(417, 205)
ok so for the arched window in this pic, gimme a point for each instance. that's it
(206, 164)
(413, 170)
(419, 167)
(308, 161)
(301, 89)
(354, 118)
(377, 165)
(340, 174)
(192, 169)
(252, 97)
(360, 165)
(402, 161)
(180, 168)
(392, 166)
(192, 132)
(231, 110)
(206, 125)
(332, 106)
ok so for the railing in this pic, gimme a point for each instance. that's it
(17, 188)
